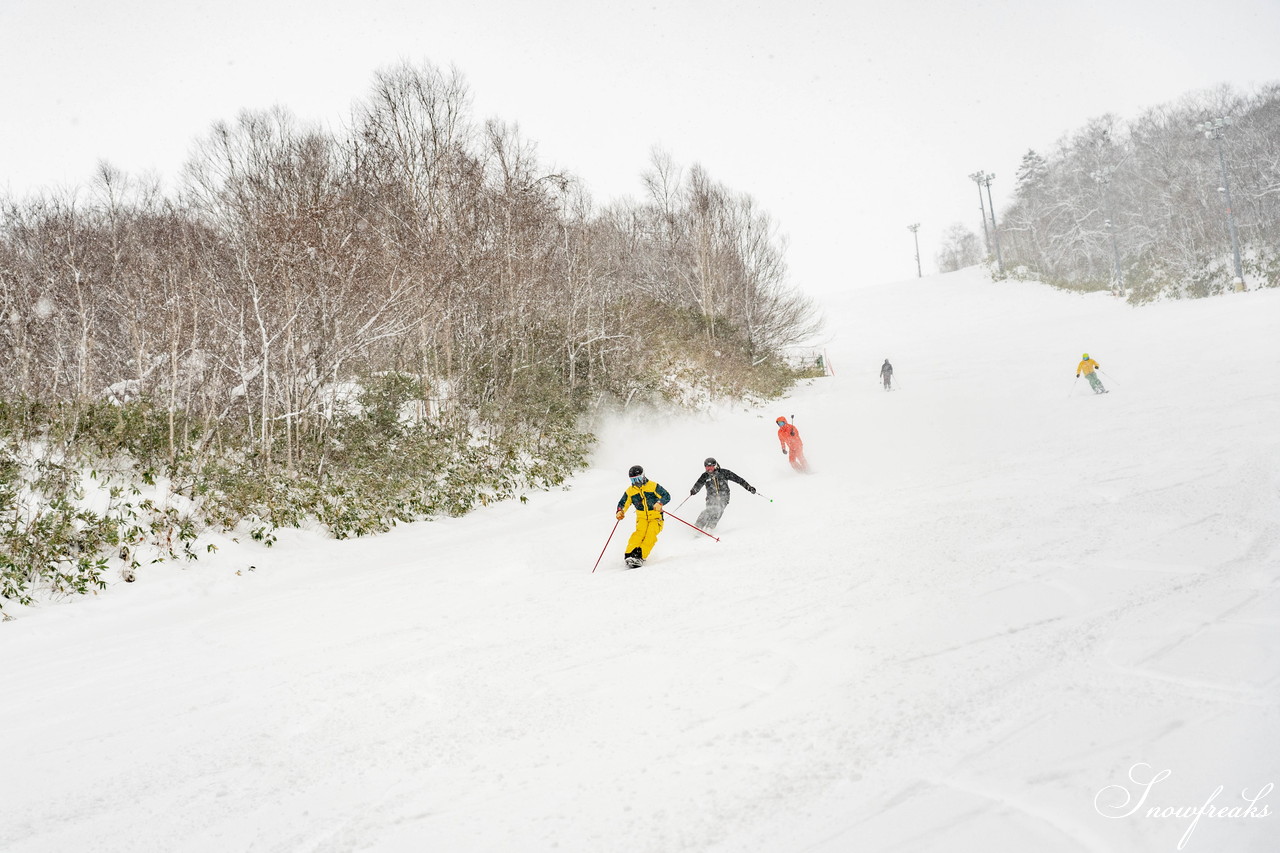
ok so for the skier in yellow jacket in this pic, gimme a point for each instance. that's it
(1089, 368)
(647, 497)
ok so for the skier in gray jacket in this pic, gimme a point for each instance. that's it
(716, 479)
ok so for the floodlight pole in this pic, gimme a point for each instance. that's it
(976, 177)
(991, 205)
(1103, 177)
(1213, 130)
(915, 230)
(1115, 254)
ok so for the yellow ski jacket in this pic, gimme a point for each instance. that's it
(644, 497)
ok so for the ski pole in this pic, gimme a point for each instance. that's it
(1108, 375)
(1073, 385)
(687, 524)
(606, 545)
(682, 503)
(766, 497)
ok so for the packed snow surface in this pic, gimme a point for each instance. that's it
(995, 613)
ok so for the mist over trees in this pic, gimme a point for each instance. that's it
(1142, 198)
(406, 317)
(960, 248)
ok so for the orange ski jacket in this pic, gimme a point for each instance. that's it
(789, 436)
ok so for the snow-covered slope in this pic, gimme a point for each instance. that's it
(996, 606)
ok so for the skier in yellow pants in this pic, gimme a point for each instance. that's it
(647, 497)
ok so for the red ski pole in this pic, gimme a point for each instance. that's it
(606, 545)
(694, 526)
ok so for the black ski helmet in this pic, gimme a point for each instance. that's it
(710, 462)
(636, 471)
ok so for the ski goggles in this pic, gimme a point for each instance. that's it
(635, 481)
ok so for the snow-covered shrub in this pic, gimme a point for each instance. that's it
(61, 525)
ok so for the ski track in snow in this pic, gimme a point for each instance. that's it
(993, 596)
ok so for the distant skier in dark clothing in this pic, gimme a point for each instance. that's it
(716, 479)
(886, 373)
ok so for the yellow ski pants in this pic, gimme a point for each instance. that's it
(648, 526)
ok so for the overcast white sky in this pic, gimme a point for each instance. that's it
(846, 119)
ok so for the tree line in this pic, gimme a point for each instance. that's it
(309, 303)
(1137, 205)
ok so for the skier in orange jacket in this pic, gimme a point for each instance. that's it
(792, 446)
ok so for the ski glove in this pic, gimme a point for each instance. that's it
(784, 451)
(692, 492)
(751, 489)
(620, 514)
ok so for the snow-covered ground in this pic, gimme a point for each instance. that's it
(997, 606)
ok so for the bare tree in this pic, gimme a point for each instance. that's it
(960, 248)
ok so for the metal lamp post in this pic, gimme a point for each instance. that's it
(914, 228)
(1213, 129)
(1103, 177)
(977, 177)
(986, 180)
